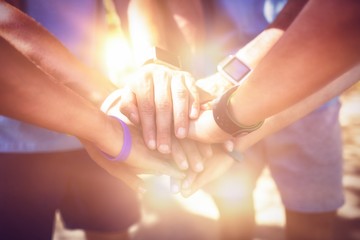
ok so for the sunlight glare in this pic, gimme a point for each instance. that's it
(117, 56)
(117, 51)
(200, 203)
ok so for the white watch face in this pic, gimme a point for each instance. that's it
(234, 69)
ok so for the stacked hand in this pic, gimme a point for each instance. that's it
(161, 104)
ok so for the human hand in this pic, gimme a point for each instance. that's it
(161, 98)
(189, 154)
(215, 166)
(118, 170)
(204, 128)
(211, 87)
(140, 159)
(185, 152)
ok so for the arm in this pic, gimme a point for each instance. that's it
(51, 56)
(316, 49)
(300, 109)
(165, 98)
(30, 95)
(324, 49)
(51, 99)
(277, 121)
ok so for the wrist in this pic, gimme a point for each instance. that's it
(109, 138)
(126, 143)
(161, 56)
(224, 117)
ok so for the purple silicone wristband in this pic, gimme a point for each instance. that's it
(126, 148)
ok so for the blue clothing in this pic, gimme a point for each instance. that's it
(21, 137)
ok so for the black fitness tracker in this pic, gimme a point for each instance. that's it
(225, 121)
(161, 56)
(233, 69)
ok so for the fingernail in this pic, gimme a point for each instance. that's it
(186, 185)
(164, 148)
(152, 144)
(209, 153)
(194, 113)
(186, 193)
(181, 132)
(141, 190)
(199, 167)
(229, 145)
(206, 106)
(175, 188)
(184, 165)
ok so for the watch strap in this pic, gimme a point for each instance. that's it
(161, 56)
(224, 120)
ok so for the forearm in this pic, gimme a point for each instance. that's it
(189, 19)
(50, 55)
(312, 52)
(252, 53)
(30, 95)
(176, 26)
(301, 109)
(255, 50)
(147, 26)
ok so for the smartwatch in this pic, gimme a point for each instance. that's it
(224, 120)
(161, 56)
(233, 69)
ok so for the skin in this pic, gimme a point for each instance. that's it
(167, 98)
(57, 92)
(163, 102)
(310, 39)
(164, 98)
(257, 52)
(252, 53)
(43, 102)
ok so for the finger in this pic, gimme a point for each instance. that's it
(194, 96)
(111, 100)
(128, 107)
(212, 171)
(186, 186)
(117, 170)
(205, 149)
(144, 91)
(175, 185)
(180, 99)
(229, 145)
(178, 154)
(165, 168)
(163, 105)
(208, 105)
(154, 163)
(129, 178)
(193, 155)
